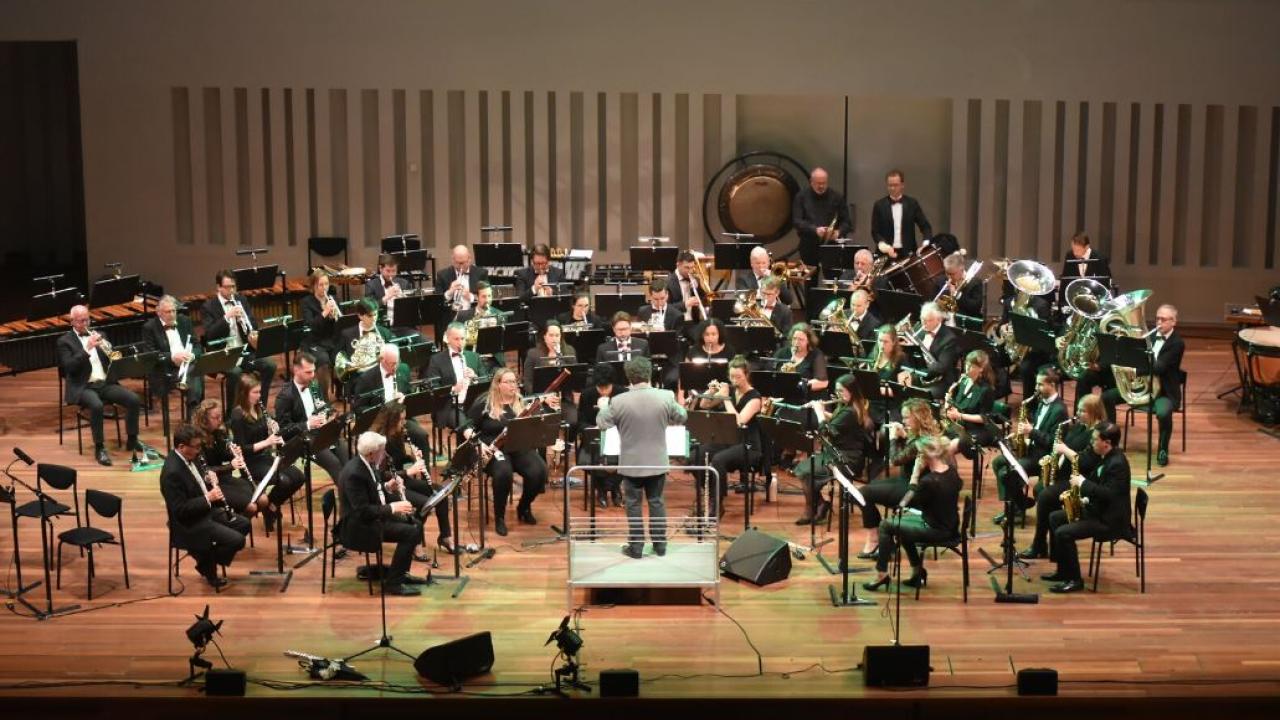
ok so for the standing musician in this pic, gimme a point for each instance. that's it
(1167, 347)
(684, 292)
(658, 313)
(943, 344)
(812, 213)
(320, 313)
(967, 405)
(759, 273)
(968, 295)
(934, 489)
(405, 458)
(211, 535)
(850, 431)
(622, 346)
(551, 350)
(745, 402)
(457, 367)
(83, 360)
(601, 388)
(300, 407)
(540, 277)
(459, 281)
(918, 425)
(486, 419)
(387, 285)
(224, 316)
(1076, 447)
(370, 515)
(250, 435)
(1081, 261)
(861, 319)
(1043, 412)
(894, 219)
(258, 437)
(388, 382)
(801, 353)
(172, 335)
(711, 345)
(642, 416)
(581, 313)
(1105, 497)
(778, 312)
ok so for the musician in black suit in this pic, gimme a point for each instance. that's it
(459, 282)
(211, 535)
(387, 382)
(683, 290)
(895, 217)
(968, 296)
(943, 344)
(540, 277)
(1082, 260)
(83, 362)
(601, 386)
(621, 346)
(1074, 450)
(659, 309)
(1105, 497)
(225, 316)
(320, 315)
(369, 517)
(778, 312)
(760, 272)
(1044, 413)
(1168, 347)
(366, 332)
(812, 213)
(387, 285)
(172, 335)
(581, 313)
(300, 407)
(863, 321)
(456, 367)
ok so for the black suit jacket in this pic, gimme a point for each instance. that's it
(155, 338)
(867, 326)
(946, 356)
(970, 301)
(183, 495)
(748, 281)
(75, 365)
(445, 278)
(214, 318)
(1108, 492)
(608, 350)
(321, 330)
(440, 366)
(374, 288)
(912, 217)
(1168, 368)
(1070, 270)
(368, 387)
(672, 318)
(362, 509)
(290, 412)
(781, 317)
(1040, 441)
(525, 277)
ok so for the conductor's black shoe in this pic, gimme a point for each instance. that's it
(1162, 457)
(500, 526)
(1033, 554)
(660, 549)
(1053, 577)
(1069, 586)
(415, 580)
(632, 552)
(402, 589)
(102, 457)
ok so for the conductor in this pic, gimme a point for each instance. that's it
(642, 415)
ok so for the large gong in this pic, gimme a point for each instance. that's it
(753, 195)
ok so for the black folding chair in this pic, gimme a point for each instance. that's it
(87, 536)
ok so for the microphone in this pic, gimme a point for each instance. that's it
(23, 456)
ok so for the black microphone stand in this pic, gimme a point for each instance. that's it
(45, 502)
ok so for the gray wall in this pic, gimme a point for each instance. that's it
(1151, 124)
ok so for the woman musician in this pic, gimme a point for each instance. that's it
(890, 363)
(257, 436)
(218, 457)
(917, 423)
(710, 348)
(320, 316)
(850, 438)
(551, 350)
(1075, 448)
(801, 355)
(405, 459)
(968, 404)
(745, 403)
(486, 419)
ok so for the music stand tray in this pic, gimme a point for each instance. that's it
(895, 305)
(542, 309)
(584, 342)
(1123, 351)
(516, 336)
(697, 375)
(113, 291)
(664, 342)
(749, 339)
(657, 259)
(838, 255)
(722, 308)
(868, 382)
(532, 433)
(257, 278)
(1035, 333)
(133, 366)
(786, 434)
(407, 311)
(835, 343)
(427, 401)
(213, 362)
(327, 434)
(54, 304)
(365, 418)
(608, 304)
(398, 244)
(489, 340)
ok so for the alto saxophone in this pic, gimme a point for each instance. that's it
(1072, 502)
(1018, 441)
(1050, 461)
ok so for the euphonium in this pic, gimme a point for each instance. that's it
(1029, 278)
(1124, 317)
(1077, 347)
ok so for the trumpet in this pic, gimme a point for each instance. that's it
(184, 368)
(105, 345)
(331, 307)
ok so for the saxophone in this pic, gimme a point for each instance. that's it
(1050, 461)
(1072, 502)
(1018, 441)
(948, 401)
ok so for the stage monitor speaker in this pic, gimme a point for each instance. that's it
(895, 665)
(619, 683)
(1037, 681)
(757, 558)
(224, 683)
(454, 661)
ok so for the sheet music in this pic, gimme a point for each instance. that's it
(1013, 462)
(677, 442)
(848, 486)
(266, 479)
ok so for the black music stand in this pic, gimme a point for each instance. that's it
(893, 305)
(1011, 559)
(697, 375)
(792, 435)
(722, 308)
(584, 342)
(664, 342)
(272, 340)
(255, 278)
(54, 304)
(654, 258)
(400, 243)
(489, 340)
(837, 256)
(498, 255)
(411, 262)
(713, 428)
(544, 308)
(836, 343)
(752, 340)
(1132, 352)
(113, 291)
(418, 354)
(868, 382)
(734, 255)
(1035, 333)
(322, 437)
(608, 304)
(777, 384)
(849, 495)
(537, 432)
(407, 311)
(517, 337)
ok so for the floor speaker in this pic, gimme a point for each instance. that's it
(224, 683)
(757, 558)
(619, 683)
(1037, 681)
(454, 661)
(895, 665)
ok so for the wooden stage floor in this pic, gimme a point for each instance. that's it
(1208, 624)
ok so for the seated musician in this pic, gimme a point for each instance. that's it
(760, 271)
(891, 364)
(406, 458)
(1042, 415)
(580, 314)
(540, 277)
(895, 217)
(320, 315)
(83, 361)
(457, 367)
(819, 215)
(366, 331)
(220, 444)
(771, 305)
(934, 489)
(711, 345)
(968, 295)
(658, 313)
(198, 518)
(621, 346)
(387, 382)
(1077, 262)
(485, 314)
(745, 402)
(387, 285)
(371, 516)
(861, 319)
(225, 317)
(943, 345)
(550, 350)
(459, 281)
(970, 401)
(860, 276)
(486, 419)
(1105, 498)
(1075, 449)
(1167, 347)
(258, 438)
(801, 355)
(849, 434)
(172, 335)
(300, 407)
(918, 424)
(601, 387)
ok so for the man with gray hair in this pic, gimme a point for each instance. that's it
(386, 382)
(83, 360)
(942, 345)
(819, 214)
(172, 335)
(371, 515)
(1167, 347)
(760, 272)
(642, 415)
(457, 367)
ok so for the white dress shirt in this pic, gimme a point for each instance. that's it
(97, 373)
(896, 209)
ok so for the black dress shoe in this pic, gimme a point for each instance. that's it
(919, 578)
(632, 552)
(1053, 577)
(660, 549)
(500, 527)
(1069, 586)
(806, 520)
(402, 590)
(1162, 457)
(102, 457)
(133, 445)
(874, 586)
(617, 500)
(215, 581)
(871, 554)
(602, 500)
(1033, 554)
(415, 580)
(526, 516)
(421, 557)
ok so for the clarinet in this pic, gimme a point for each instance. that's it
(203, 469)
(273, 427)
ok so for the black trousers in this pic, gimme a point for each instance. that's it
(94, 397)
(1048, 501)
(1009, 482)
(1164, 413)
(214, 540)
(811, 481)
(911, 530)
(602, 482)
(288, 480)
(532, 468)
(418, 491)
(1065, 535)
(406, 534)
(264, 368)
(724, 459)
(161, 385)
(331, 459)
(888, 492)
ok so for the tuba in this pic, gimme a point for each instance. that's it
(1124, 317)
(1077, 347)
(1029, 278)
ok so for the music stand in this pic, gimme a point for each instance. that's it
(545, 374)
(868, 382)
(712, 428)
(494, 255)
(1135, 353)
(113, 291)
(54, 304)
(584, 342)
(255, 278)
(849, 495)
(516, 337)
(664, 342)
(407, 311)
(544, 308)
(697, 375)
(272, 340)
(654, 259)
(536, 432)
(777, 384)
(417, 354)
(792, 435)
(836, 343)
(893, 305)
(607, 305)
(401, 243)
(1033, 332)
(733, 255)
(427, 401)
(837, 256)
(411, 262)
(722, 308)
(321, 437)
(754, 340)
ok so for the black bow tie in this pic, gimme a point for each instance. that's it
(83, 334)
(895, 202)
(170, 327)
(390, 375)
(386, 284)
(455, 354)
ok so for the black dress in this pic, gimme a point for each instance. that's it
(727, 458)
(938, 520)
(501, 468)
(418, 490)
(217, 457)
(247, 433)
